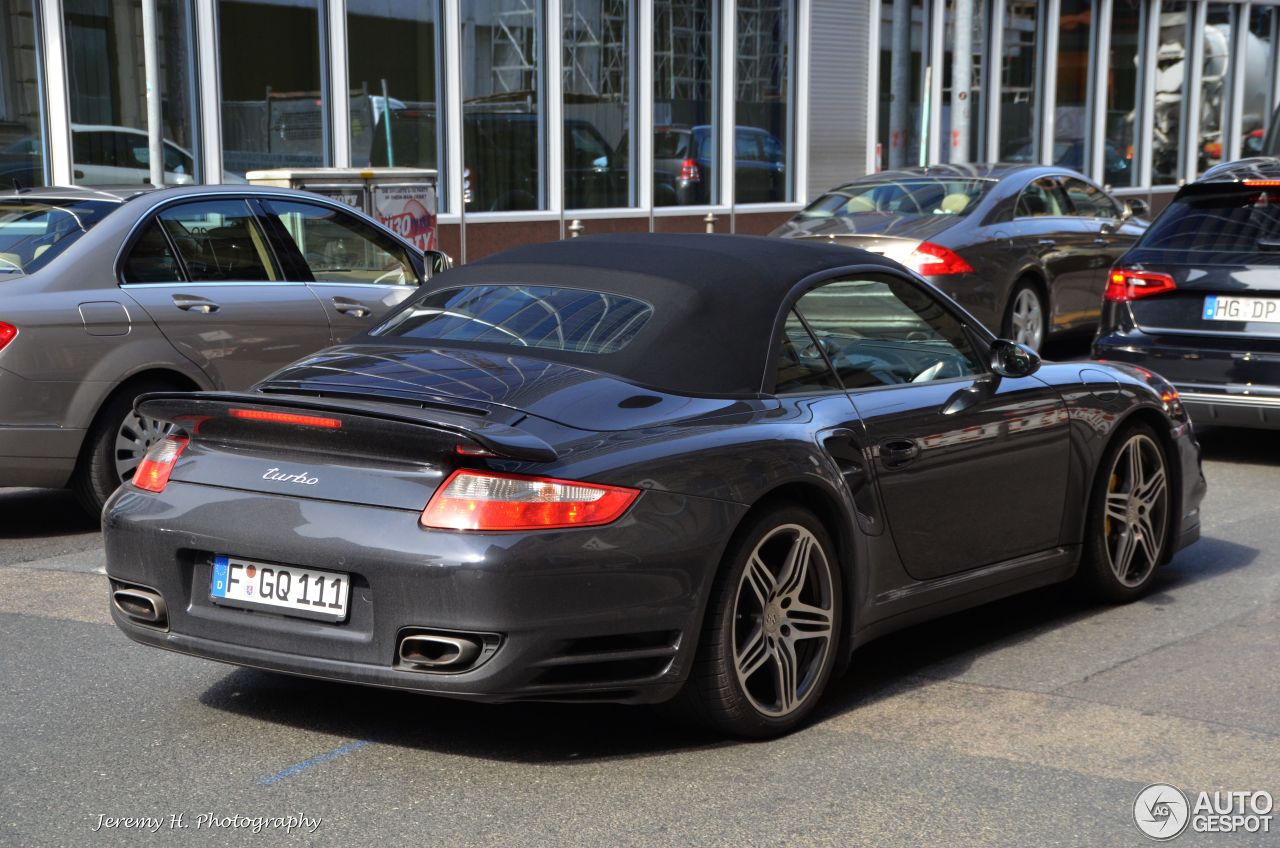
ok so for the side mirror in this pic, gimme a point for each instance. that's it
(437, 262)
(1135, 208)
(1010, 359)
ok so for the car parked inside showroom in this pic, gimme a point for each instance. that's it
(1025, 248)
(109, 294)
(694, 469)
(1198, 297)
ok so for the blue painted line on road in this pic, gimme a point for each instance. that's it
(319, 759)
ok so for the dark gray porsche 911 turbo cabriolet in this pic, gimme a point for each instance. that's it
(638, 468)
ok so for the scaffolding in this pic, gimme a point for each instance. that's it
(682, 44)
(595, 48)
(762, 62)
(513, 52)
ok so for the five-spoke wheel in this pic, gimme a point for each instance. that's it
(771, 632)
(1129, 520)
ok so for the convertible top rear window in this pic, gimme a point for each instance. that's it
(545, 317)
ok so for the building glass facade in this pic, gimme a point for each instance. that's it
(22, 147)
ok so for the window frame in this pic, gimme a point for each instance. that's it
(980, 337)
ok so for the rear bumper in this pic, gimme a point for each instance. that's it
(594, 613)
(1225, 381)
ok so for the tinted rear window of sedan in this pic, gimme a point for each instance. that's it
(33, 231)
(910, 196)
(1214, 219)
(546, 317)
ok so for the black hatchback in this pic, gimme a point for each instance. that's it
(1198, 297)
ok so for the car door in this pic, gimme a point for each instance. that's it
(1046, 233)
(357, 271)
(971, 468)
(1104, 242)
(204, 271)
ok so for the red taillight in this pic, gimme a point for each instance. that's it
(1125, 284)
(286, 418)
(487, 500)
(8, 333)
(690, 172)
(1262, 183)
(153, 474)
(934, 260)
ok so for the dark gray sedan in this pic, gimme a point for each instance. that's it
(107, 295)
(1025, 248)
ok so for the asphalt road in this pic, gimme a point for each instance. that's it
(1032, 722)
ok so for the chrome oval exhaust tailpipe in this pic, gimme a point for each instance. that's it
(437, 652)
(141, 605)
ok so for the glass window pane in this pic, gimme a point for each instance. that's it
(574, 320)
(1089, 201)
(1215, 85)
(272, 102)
(598, 117)
(884, 332)
(686, 169)
(1019, 115)
(1257, 87)
(1071, 109)
(802, 367)
(219, 240)
(392, 51)
(1170, 75)
(763, 113)
(151, 260)
(21, 134)
(962, 106)
(340, 248)
(902, 46)
(107, 81)
(1123, 78)
(504, 124)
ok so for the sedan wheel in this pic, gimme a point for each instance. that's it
(1025, 319)
(135, 437)
(1130, 517)
(115, 445)
(772, 629)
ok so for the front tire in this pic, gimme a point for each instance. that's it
(1127, 530)
(115, 445)
(771, 632)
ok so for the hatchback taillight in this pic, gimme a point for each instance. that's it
(8, 333)
(1126, 284)
(488, 500)
(153, 474)
(690, 172)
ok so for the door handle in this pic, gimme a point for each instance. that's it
(896, 453)
(354, 308)
(1047, 242)
(1102, 241)
(191, 303)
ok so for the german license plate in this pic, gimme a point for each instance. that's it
(1263, 309)
(301, 592)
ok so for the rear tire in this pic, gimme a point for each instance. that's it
(1026, 318)
(114, 445)
(771, 632)
(1127, 528)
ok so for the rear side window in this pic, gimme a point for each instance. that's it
(574, 320)
(1229, 219)
(219, 241)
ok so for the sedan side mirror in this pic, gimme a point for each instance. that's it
(438, 262)
(1010, 359)
(1135, 208)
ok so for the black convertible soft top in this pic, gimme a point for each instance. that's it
(715, 300)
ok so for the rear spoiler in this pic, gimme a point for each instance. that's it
(196, 410)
